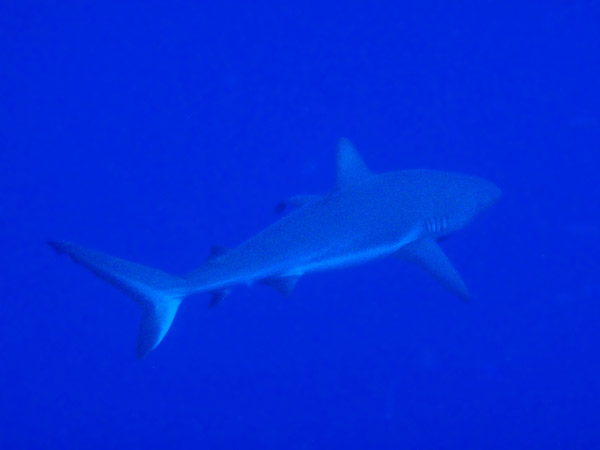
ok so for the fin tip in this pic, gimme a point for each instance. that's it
(58, 247)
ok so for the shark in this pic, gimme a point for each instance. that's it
(366, 216)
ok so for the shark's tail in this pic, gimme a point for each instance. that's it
(158, 294)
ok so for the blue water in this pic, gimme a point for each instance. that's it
(154, 130)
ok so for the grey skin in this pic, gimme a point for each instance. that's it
(365, 217)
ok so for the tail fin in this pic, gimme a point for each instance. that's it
(158, 294)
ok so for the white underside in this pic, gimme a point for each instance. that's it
(351, 259)
(341, 261)
(317, 265)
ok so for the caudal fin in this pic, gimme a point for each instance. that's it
(158, 294)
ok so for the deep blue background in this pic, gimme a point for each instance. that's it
(153, 130)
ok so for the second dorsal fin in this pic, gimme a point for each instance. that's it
(216, 252)
(297, 201)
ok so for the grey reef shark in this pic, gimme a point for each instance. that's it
(366, 216)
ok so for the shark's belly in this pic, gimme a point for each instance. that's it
(352, 258)
(298, 253)
(316, 238)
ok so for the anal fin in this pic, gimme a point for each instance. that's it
(285, 284)
(428, 255)
(217, 296)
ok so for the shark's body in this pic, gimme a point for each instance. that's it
(365, 217)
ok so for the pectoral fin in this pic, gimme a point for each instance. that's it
(428, 255)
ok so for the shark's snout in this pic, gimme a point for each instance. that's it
(492, 194)
(495, 193)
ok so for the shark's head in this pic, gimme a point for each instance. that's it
(446, 201)
(465, 197)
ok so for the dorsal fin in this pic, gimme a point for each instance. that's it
(350, 167)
